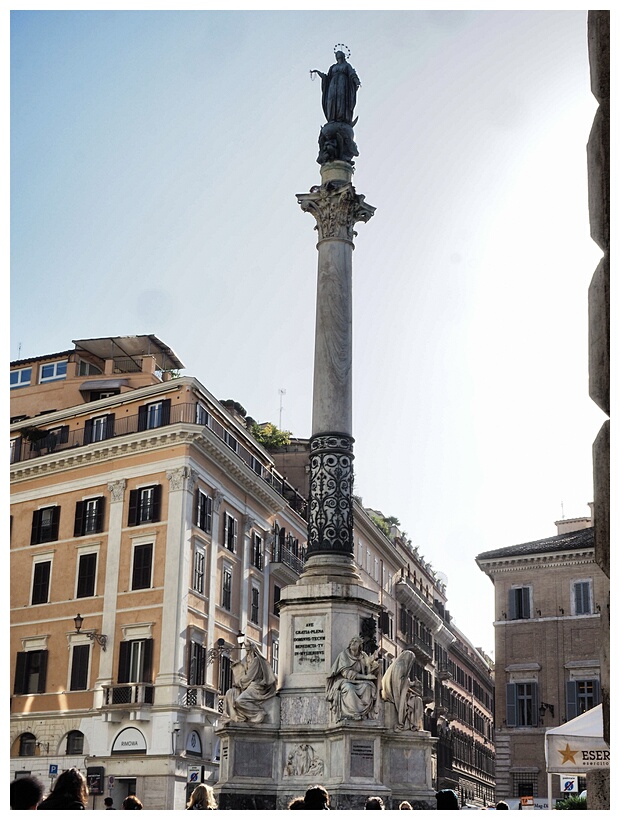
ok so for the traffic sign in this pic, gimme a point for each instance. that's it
(111, 781)
(53, 769)
(193, 774)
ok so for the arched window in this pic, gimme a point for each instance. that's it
(27, 745)
(75, 743)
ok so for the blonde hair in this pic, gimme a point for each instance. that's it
(202, 794)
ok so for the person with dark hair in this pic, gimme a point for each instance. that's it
(70, 792)
(26, 793)
(447, 799)
(406, 805)
(297, 803)
(374, 803)
(316, 797)
(502, 805)
(132, 802)
(109, 804)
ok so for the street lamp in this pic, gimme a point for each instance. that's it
(217, 651)
(102, 640)
(543, 708)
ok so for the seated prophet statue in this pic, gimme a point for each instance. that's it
(254, 682)
(352, 683)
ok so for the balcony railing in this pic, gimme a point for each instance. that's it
(39, 442)
(199, 697)
(421, 648)
(128, 694)
(282, 555)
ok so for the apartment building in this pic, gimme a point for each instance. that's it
(149, 530)
(465, 706)
(548, 643)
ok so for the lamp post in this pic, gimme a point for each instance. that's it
(543, 708)
(102, 640)
(217, 651)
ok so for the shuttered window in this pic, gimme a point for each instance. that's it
(519, 603)
(30, 672)
(142, 566)
(522, 704)
(87, 570)
(135, 661)
(41, 582)
(89, 516)
(144, 505)
(203, 511)
(79, 667)
(581, 594)
(45, 524)
(581, 696)
(230, 532)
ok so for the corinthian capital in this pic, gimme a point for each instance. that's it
(117, 489)
(178, 476)
(336, 208)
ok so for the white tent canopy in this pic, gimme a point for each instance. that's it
(576, 747)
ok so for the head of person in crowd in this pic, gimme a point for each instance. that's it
(26, 793)
(202, 798)
(70, 791)
(297, 803)
(316, 797)
(132, 803)
(374, 803)
(447, 799)
(406, 805)
(502, 805)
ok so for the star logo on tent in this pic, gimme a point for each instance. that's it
(568, 754)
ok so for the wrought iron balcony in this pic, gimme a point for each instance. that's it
(199, 697)
(128, 694)
(36, 442)
(286, 557)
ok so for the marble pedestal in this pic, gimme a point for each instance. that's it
(300, 743)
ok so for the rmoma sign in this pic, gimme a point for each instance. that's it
(129, 741)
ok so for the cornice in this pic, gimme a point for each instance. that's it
(546, 560)
(151, 441)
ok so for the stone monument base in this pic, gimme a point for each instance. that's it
(303, 742)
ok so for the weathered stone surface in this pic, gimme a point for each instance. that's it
(598, 52)
(253, 759)
(407, 765)
(303, 710)
(598, 154)
(599, 336)
(601, 463)
(599, 179)
(598, 784)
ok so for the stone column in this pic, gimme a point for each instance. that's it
(214, 591)
(336, 207)
(177, 558)
(112, 564)
(247, 522)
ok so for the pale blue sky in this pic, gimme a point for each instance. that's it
(155, 158)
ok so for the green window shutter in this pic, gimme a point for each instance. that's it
(511, 704)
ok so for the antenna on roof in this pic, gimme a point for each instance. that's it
(19, 350)
(282, 392)
(562, 505)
